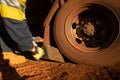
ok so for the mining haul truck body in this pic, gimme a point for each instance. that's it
(84, 31)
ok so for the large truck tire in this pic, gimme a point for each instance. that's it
(88, 31)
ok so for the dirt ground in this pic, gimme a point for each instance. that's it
(50, 70)
(21, 68)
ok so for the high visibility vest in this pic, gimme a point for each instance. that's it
(13, 9)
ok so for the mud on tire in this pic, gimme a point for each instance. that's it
(87, 31)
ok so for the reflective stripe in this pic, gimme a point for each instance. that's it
(13, 9)
(11, 12)
(15, 3)
(23, 3)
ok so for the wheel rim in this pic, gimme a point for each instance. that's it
(91, 28)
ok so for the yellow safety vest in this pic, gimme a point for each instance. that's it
(13, 9)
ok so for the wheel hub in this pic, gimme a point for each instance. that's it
(92, 29)
(89, 29)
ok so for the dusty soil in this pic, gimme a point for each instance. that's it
(49, 70)
(20, 68)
